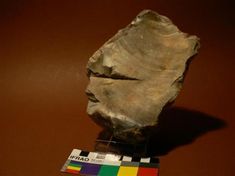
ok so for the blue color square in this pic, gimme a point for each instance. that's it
(90, 169)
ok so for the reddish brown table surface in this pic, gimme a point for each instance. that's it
(44, 47)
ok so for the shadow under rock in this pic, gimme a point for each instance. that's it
(176, 127)
(179, 126)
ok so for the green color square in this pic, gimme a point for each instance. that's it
(74, 165)
(108, 170)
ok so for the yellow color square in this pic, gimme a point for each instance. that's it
(74, 168)
(127, 171)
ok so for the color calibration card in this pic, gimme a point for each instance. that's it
(106, 164)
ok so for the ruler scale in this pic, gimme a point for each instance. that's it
(107, 164)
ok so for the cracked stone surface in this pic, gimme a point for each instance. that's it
(136, 73)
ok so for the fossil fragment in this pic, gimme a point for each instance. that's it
(135, 74)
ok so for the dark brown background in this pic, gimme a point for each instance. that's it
(44, 47)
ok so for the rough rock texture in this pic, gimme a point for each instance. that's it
(136, 73)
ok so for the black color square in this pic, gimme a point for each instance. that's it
(84, 153)
(154, 160)
(135, 159)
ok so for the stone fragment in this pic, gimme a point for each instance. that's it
(135, 74)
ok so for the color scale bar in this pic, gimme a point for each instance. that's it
(126, 169)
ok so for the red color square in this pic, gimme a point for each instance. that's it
(145, 171)
(72, 171)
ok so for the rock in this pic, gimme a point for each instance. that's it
(135, 74)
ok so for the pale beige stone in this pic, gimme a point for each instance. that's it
(135, 74)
